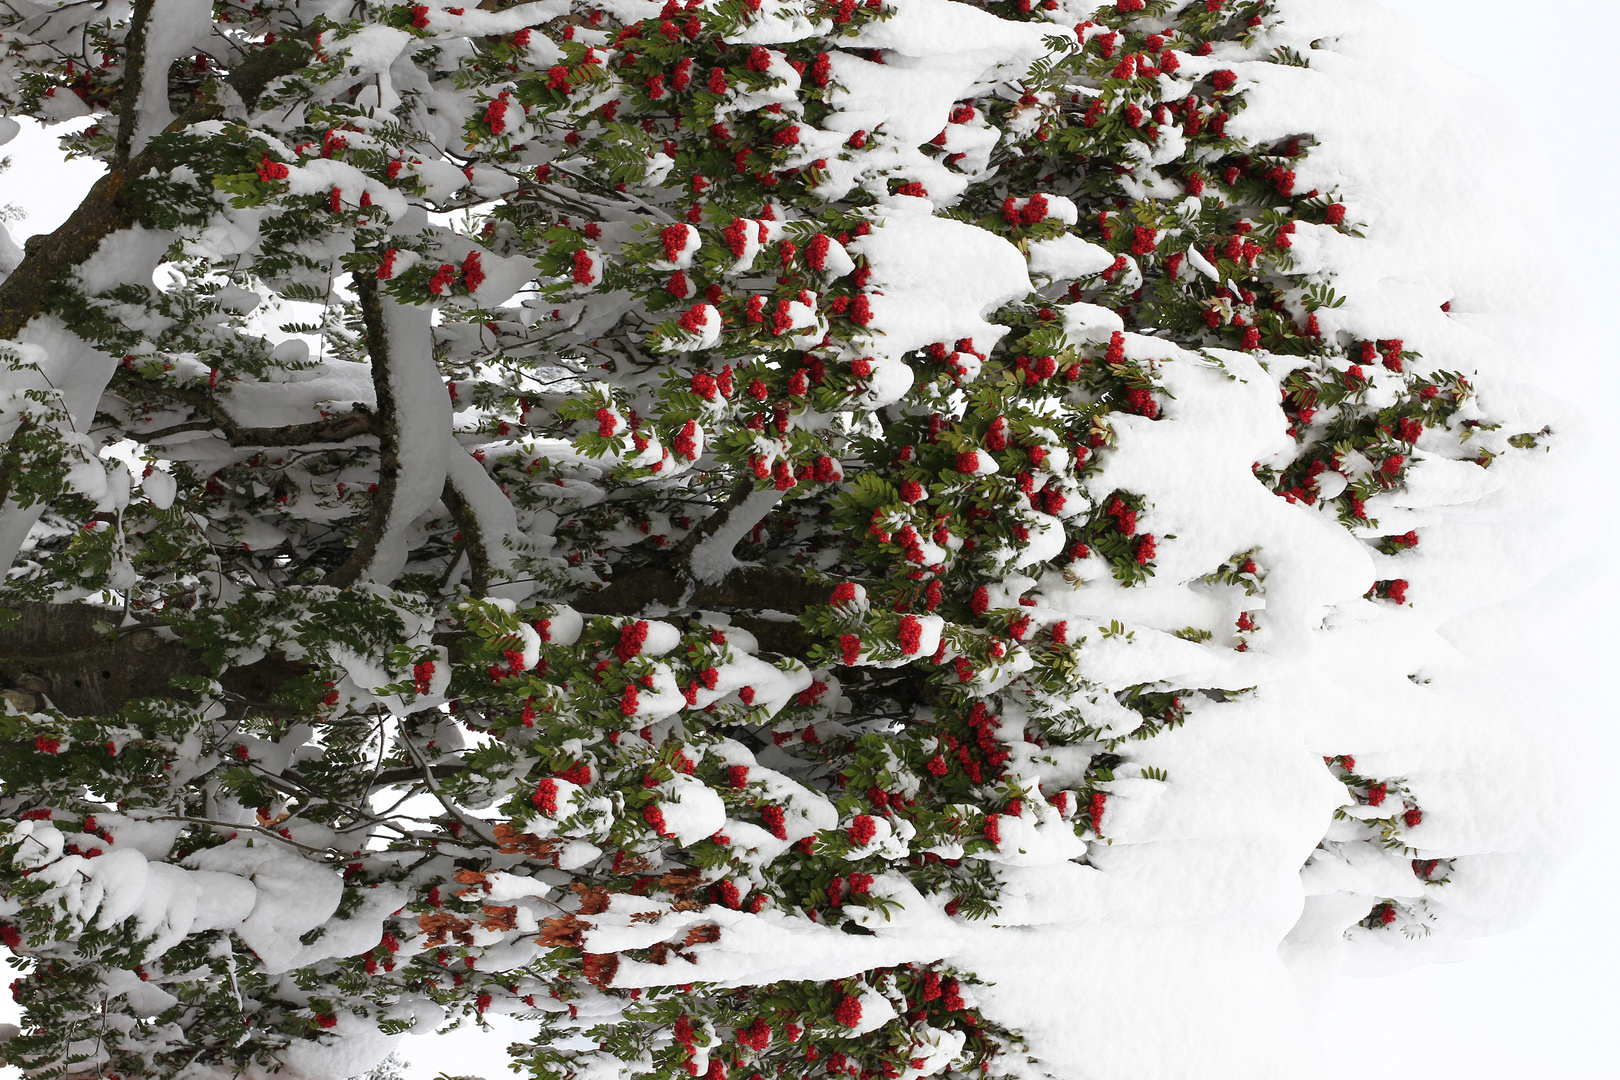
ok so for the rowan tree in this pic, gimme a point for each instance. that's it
(596, 512)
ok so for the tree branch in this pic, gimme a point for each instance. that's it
(134, 79)
(472, 543)
(386, 428)
(8, 463)
(390, 777)
(748, 588)
(67, 653)
(333, 429)
(56, 650)
(425, 772)
(710, 558)
(31, 289)
(669, 582)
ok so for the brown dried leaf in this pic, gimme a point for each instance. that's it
(646, 916)
(600, 968)
(515, 842)
(702, 935)
(563, 930)
(681, 881)
(499, 918)
(592, 900)
(438, 925)
(632, 864)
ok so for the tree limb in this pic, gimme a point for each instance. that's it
(472, 544)
(332, 429)
(31, 289)
(68, 654)
(386, 428)
(55, 650)
(398, 776)
(745, 589)
(669, 581)
(487, 521)
(134, 79)
(8, 463)
(425, 773)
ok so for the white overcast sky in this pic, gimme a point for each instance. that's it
(1538, 1003)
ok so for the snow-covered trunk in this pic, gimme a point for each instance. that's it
(414, 416)
(483, 510)
(712, 558)
(161, 32)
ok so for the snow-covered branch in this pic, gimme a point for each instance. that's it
(411, 406)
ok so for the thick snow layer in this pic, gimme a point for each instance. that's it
(300, 401)
(936, 53)
(1210, 906)
(420, 404)
(294, 897)
(1194, 466)
(1068, 256)
(1180, 920)
(51, 357)
(175, 28)
(359, 1044)
(922, 291)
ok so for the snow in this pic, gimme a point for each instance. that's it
(661, 638)
(771, 945)
(690, 241)
(293, 896)
(166, 902)
(1068, 256)
(301, 399)
(497, 521)
(920, 290)
(479, 22)
(1194, 466)
(10, 254)
(51, 357)
(938, 27)
(358, 1045)
(692, 810)
(125, 257)
(876, 1010)
(174, 29)
(565, 625)
(1216, 847)
(706, 338)
(420, 404)
(372, 50)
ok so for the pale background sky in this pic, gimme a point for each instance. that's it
(1539, 1003)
